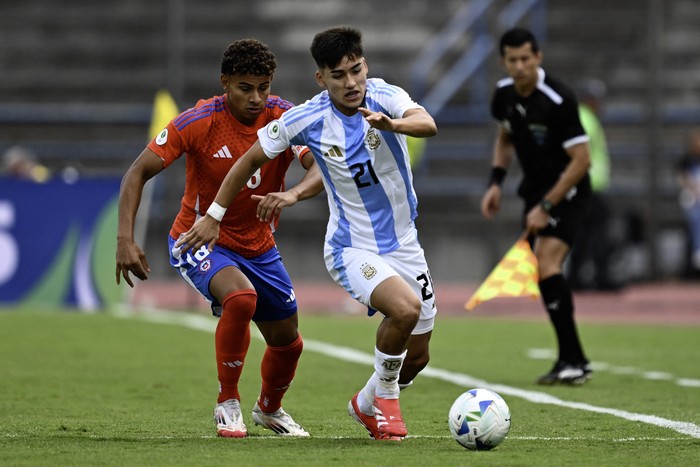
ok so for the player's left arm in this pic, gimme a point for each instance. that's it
(414, 122)
(310, 185)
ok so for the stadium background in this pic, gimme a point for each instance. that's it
(79, 79)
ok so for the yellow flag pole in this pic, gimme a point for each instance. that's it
(164, 110)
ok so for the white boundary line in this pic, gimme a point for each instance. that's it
(208, 324)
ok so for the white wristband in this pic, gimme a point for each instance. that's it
(216, 211)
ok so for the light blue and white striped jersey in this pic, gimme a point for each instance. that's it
(366, 172)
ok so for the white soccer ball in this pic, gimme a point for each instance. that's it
(479, 419)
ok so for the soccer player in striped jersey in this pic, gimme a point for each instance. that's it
(539, 122)
(356, 129)
(242, 275)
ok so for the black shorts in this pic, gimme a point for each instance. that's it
(566, 217)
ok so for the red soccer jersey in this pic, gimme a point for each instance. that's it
(213, 140)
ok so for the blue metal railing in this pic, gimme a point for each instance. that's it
(470, 21)
(443, 41)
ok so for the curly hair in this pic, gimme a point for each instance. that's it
(248, 57)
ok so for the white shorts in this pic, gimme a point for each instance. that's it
(359, 272)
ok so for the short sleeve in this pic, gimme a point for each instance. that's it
(169, 144)
(385, 97)
(572, 130)
(273, 138)
(402, 102)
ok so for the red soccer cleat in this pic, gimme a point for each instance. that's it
(369, 422)
(387, 413)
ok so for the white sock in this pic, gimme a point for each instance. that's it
(387, 369)
(365, 399)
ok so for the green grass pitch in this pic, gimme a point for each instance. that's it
(103, 389)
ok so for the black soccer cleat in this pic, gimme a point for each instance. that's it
(566, 373)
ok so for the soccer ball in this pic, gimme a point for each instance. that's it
(479, 419)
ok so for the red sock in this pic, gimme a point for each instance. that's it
(277, 369)
(232, 340)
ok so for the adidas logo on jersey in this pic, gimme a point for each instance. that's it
(222, 153)
(333, 152)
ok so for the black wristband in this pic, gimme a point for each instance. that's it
(498, 174)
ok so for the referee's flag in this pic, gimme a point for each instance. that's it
(514, 276)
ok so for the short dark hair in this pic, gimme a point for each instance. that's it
(248, 57)
(330, 46)
(516, 37)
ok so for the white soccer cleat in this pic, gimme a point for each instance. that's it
(229, 420)
(280, 422)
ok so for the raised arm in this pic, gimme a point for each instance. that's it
(414, 122)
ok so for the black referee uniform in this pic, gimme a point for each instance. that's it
(541, 126)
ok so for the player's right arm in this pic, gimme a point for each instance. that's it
(130, 257)
(502, 157)
(206, 230)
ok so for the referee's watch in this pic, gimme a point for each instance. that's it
(546, 205)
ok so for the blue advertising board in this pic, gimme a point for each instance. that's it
(58, 242)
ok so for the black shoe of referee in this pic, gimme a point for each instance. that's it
(566, 373)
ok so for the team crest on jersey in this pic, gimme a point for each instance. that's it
(539, 133)
(205, 265)
(368, 271)
(162, 137)
(372, 139)
(273, 129)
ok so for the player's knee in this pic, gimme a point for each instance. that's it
(240, 305)
(409, 312)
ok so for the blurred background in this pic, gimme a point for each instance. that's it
(79, 79)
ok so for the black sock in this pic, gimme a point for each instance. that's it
(558, 300)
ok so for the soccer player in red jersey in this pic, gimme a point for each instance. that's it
(242, 274)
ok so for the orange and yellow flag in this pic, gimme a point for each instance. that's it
(514, 276)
